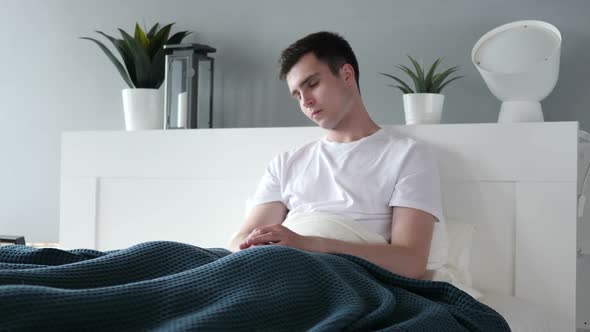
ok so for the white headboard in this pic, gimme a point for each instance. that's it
(516, 182)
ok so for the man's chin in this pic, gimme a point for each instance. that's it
(325, 125)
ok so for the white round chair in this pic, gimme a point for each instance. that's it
(519, 62)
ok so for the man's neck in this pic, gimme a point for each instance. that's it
(354, 127)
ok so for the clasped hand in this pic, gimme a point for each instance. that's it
(275, 235)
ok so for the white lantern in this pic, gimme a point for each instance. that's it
(188, 95)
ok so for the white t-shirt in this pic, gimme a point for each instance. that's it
(363, 180)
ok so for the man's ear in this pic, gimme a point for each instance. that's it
(347, 72)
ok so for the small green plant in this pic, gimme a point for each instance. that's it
(143, 54)
(430, 82)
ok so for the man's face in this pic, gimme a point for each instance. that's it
(323, 97)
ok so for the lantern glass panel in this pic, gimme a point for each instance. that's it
(205, 93)
(179, 75)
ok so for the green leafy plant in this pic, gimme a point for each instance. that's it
(143, 54)
(424, 82)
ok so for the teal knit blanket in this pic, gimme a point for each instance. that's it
(169, 286)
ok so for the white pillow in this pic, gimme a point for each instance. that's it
(439, 247)
(456, 268)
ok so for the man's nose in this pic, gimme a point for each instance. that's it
(307, 100)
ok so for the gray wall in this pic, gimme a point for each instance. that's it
(53, 82)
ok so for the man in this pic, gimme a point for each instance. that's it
(387, 183)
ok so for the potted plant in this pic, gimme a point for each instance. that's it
(424, 103)
(142, 69)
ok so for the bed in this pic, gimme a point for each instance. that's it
(514, 184)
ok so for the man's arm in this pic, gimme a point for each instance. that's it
(407, 255)
(261, 215)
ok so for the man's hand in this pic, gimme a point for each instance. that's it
(276, 235)
(260, 216)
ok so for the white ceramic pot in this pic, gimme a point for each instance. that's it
(143, 109)
(423, 108)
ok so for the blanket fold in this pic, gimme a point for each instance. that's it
(331, 226)
(179, 287)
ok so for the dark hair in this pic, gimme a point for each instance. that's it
(330, 48)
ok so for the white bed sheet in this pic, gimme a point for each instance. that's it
(523, 316)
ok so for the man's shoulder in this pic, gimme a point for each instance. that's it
(398, 146)
(396, 140)
(299, 150)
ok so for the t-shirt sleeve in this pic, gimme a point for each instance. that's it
(269, 186)
(418, 182)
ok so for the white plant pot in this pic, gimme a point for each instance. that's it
(143, 109)
(423, 108)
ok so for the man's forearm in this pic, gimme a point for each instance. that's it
(234, 245)
(399, 260)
